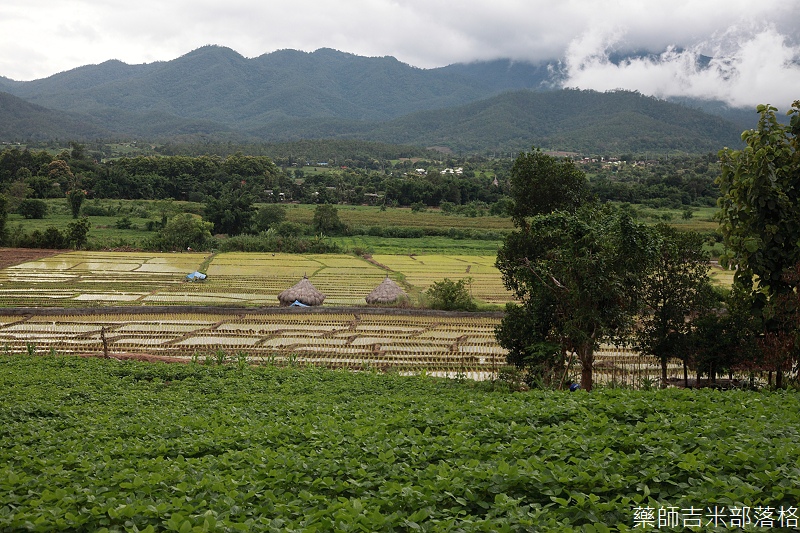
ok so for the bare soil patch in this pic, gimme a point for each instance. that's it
(15, 256)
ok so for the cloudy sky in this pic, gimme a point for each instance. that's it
(754, 45)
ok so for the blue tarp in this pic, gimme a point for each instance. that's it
(298, 303)
(196, 276)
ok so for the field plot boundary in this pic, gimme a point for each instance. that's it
(235, 310)
(403, 340)
(446, 343)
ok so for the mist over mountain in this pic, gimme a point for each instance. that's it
(288, 95)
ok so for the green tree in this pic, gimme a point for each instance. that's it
(524, 331)
(270, 215)
(3, 220)
(32, 208)
(760, 203)
(17, 191)
(184, 231)
(75, 198)
(231, 213)
(59, 171)
(542, 184)
(450, 295)
(77, 233)
(326, 220)
(759, 213)
(677, 287)
(581, 273)
(42, 187)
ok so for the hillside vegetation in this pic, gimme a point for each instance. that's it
(214, 92)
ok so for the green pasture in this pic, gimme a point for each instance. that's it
(105, 445)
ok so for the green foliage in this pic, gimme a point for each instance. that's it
(722, 341)
(269, 216)
(542, 184)
(92, 444)
(582, 273)
(3, 219)
(32, 208)
(77, 232)
(524, 334)
(123, 223)
(450, 295)
(760, 205)
(75, 198)
(677, 287)
(231, 213)
(326, 220)
(184, 231)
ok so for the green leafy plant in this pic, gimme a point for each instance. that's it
(451, 295)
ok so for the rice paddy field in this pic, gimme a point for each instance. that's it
(81, 279)
(139, 303)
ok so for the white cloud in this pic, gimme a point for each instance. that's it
(746, 68)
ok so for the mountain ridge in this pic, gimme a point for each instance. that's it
(290, 94)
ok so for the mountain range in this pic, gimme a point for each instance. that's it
(214, 92)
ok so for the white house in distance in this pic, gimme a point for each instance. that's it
(457, 171)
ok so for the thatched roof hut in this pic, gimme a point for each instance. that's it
(304, 292)
(386, 293)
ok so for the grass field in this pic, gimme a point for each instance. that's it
(104, 233)
(104, 445)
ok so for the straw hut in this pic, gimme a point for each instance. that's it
(386, 293)
(304, 292)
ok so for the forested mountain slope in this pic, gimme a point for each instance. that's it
(290, 95)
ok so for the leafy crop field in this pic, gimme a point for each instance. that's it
(104, 445)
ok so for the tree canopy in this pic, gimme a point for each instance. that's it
(760, 221)
(541, 184)
(760, 203)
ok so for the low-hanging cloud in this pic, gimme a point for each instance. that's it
(740, 67)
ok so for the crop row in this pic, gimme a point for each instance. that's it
(104, 445)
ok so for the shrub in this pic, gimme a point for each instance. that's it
(451, 295)
(184, 231)
(123, 223)
(32, 208)
(95, 211)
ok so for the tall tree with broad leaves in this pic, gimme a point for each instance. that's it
(232, 212)
(760, 203)
(675, 291)
(581, 274)
(759, 213)
(541, 183)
